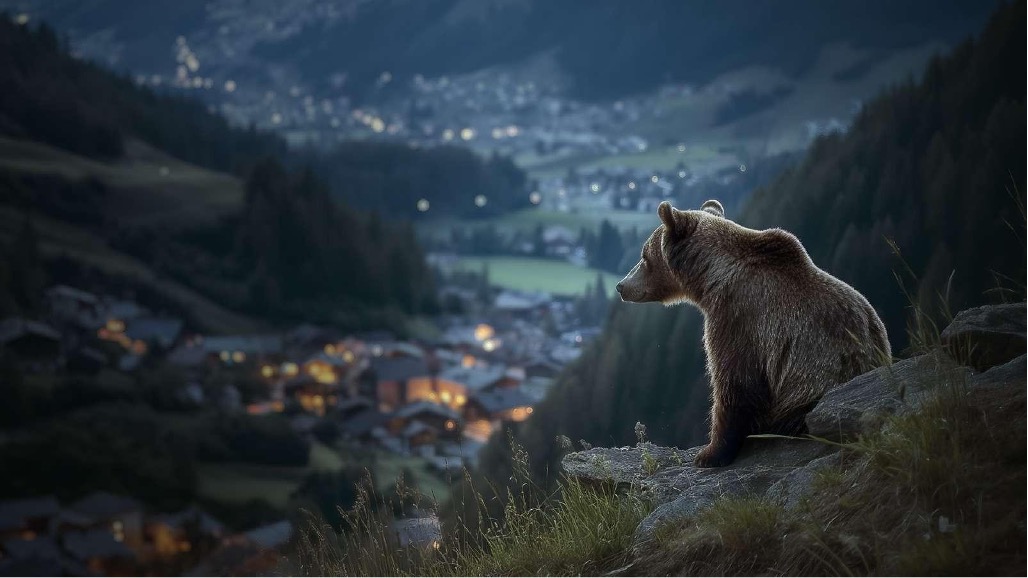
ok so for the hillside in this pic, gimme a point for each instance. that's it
(606, 49)
(951, 195)
(134, 186)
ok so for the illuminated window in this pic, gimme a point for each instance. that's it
(483, 332)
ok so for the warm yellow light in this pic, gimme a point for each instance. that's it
(528, 410)
(289, 368)
(468, 361)
(450, 425)
(330, 349)
(483, 332)
(238, 356)
(445, 396)
(467, 133)
(460, 399)
(348, 356)
(225, 356)
(115, 325)
(267, 371)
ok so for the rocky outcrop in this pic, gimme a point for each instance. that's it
(987, 336)
(785, 469)
(861, 404)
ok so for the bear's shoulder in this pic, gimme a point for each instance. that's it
(777, 247)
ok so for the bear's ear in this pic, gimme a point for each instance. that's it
(714, 208)
(667, 216)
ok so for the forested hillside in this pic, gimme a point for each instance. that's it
(52, 98)
(92, 155)
(391, 178)
(937, 167)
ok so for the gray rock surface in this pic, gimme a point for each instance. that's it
(987, 336)
(786, 469)
(798, 483)
(861, 404)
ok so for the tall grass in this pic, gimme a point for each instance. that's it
(576, 530)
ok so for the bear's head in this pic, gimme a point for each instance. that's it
(672, 261)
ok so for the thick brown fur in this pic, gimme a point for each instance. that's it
(778, 331)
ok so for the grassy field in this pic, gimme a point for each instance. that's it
(528, 274)
(389, 466)
(146, 186)
(235, 483)
(525, 221)
(705, 156)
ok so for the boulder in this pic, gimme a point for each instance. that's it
(991, 339)
(987, 336)
(668, 477)
(861, 404)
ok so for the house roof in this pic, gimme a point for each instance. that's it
(420, 407)
(415, 428)
(65, 292)
(271, 535)
(187, 355)
(350, 404)
(417, 531)
(103, 505)
(474, 378)
(41, 507)
(252, 344)
(519, 300)
(163, 330)
(502, 399)
(95, 543)
(398, 368)
(17, 327)
(206, 523)
(42, 547)
(124, 310)
(362, 423)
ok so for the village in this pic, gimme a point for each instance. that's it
(433, 401)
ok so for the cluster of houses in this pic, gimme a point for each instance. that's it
(433, 400)
(108, 534)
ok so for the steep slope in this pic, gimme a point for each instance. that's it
(937, 166)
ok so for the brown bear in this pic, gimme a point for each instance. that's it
(777, 330)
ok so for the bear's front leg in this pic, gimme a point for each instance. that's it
(730, 424)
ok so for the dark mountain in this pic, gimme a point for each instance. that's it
(607, 47)
(936, 167)
(77, 106)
